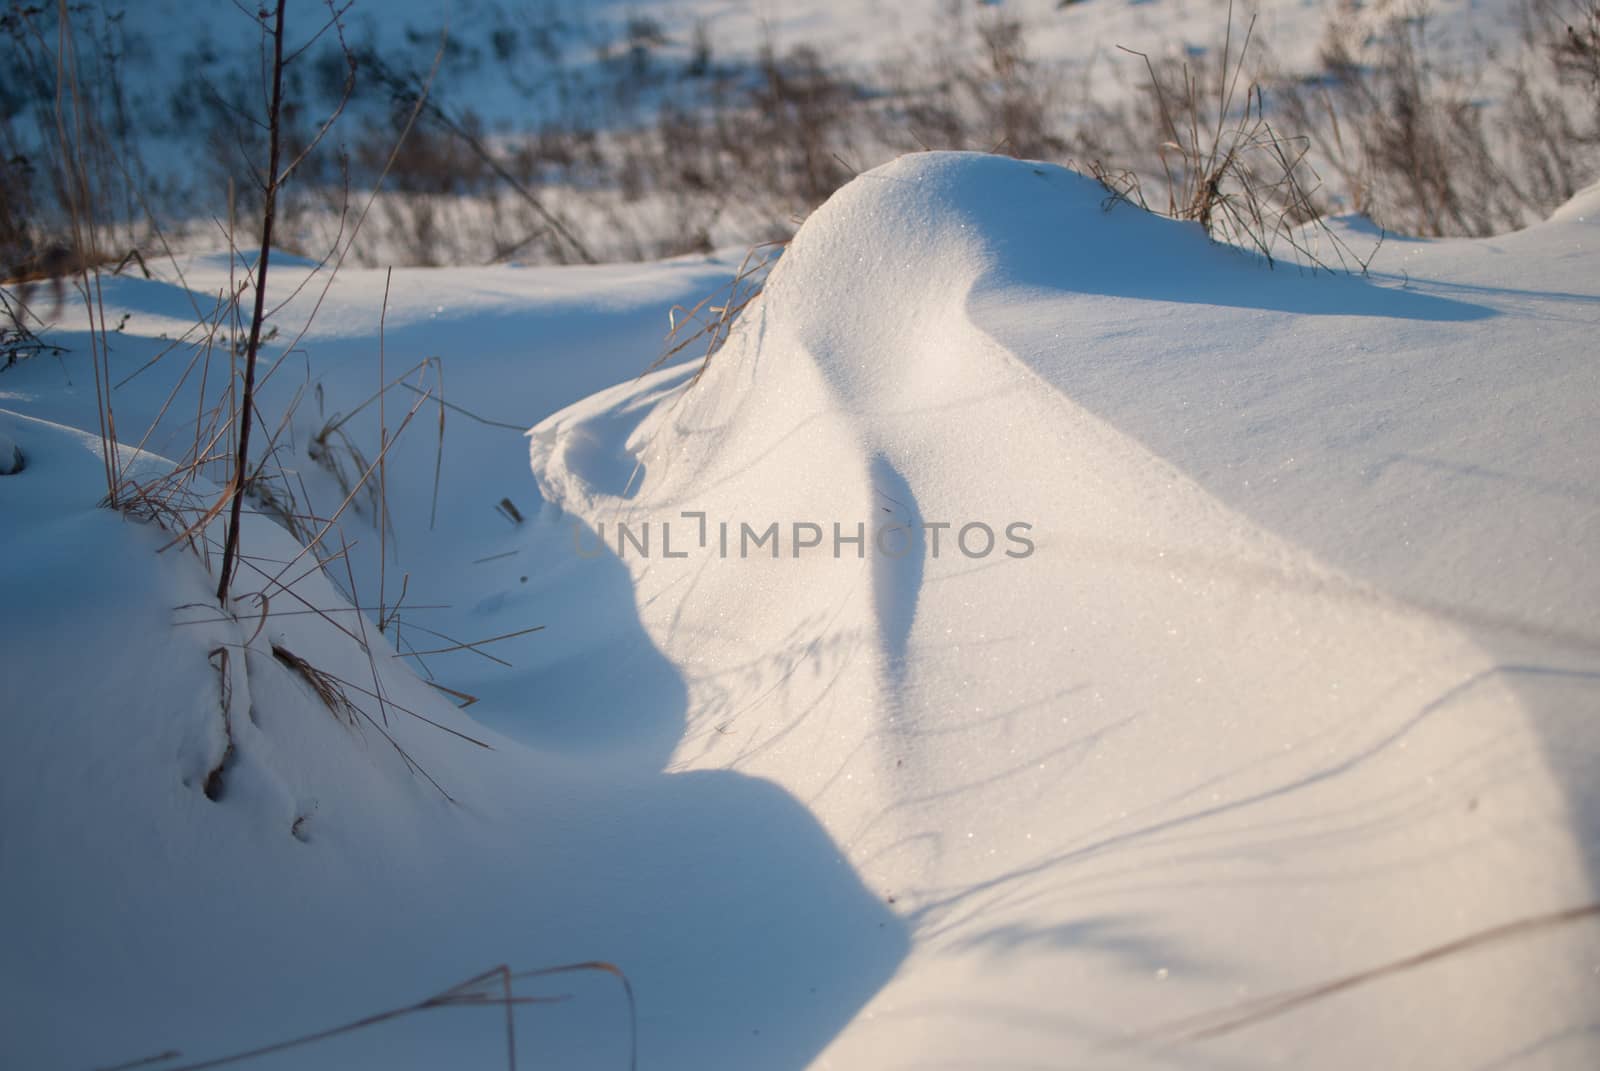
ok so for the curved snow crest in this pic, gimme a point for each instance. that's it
(1171, 757)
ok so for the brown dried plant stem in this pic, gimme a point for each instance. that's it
(230, 550)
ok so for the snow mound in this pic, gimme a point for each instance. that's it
(1210, 631)
(1584, 207)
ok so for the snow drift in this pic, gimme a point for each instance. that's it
(1298, 679)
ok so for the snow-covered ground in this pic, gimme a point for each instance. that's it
(1282, 664)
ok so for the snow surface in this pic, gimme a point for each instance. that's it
(1299, 678)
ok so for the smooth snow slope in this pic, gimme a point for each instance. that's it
(1301, 678)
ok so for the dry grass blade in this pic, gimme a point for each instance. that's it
(472, 993)
(144, 1061)
(1226, 1020)
(269, 613)
(473, 645)
(627, 991)
(469, 414)
(465, 699)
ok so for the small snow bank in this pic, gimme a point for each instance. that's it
(177, 779)
(1584, 207)
(225, 830)
(1156, 630)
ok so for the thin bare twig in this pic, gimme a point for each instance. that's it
(241, 466)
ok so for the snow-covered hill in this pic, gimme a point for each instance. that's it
(1281, 664)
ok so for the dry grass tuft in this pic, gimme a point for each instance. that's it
(709, 323)
(325, 686)
(1225, 165)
